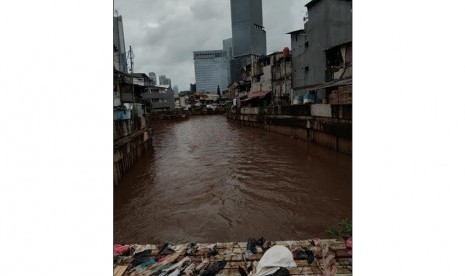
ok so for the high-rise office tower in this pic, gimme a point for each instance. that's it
(227, 47)
(163, 80)
(248, 34)
(193, 88)
(118, 44)
(153, 77)
(175, 89)
(211, 70)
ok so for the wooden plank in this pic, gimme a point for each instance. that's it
(230, 272)
(301, 263)
(342, 269)
(307, 270)
(225, 245)
(316, 270)
(218, 258)
(235, 265)
(283, 243)
(295, 270)
(237, 250)
(119, 270)
(237, 257)
(224, 251)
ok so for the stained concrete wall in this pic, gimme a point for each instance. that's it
(299, 75)
(329, 24)
(319, 130)
(321, 110)
(131, 139)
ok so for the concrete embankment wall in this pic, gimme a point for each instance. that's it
(332, 129)
(131, 139)
(162, 116)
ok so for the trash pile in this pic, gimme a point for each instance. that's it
(256, 257)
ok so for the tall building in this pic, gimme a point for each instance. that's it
(164, 80)
(227, 47)
(193, 88)
(313, 45)
(175, 89)
(119, 47)
(153, 77)
(248, 34)
(211, 70)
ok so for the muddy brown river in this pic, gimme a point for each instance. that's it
(210, 180)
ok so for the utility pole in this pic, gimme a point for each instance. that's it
(131, 58)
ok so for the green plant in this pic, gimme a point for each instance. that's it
(342, 231)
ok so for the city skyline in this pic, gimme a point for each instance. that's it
(163, 34)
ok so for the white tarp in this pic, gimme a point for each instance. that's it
(274, 258)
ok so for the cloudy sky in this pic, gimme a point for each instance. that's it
(164, 33)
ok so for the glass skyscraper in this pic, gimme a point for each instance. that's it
(227, 47)
(248, 33)
(153, 77)
(211, 70)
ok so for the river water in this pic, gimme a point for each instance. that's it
(211, 180)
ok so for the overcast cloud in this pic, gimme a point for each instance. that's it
(164, 33)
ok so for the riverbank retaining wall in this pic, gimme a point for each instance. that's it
(323, 124)
(131, 139)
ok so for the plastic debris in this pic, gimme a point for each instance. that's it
(314, 257)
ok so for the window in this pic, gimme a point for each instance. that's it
(306, 44)
(306, 68)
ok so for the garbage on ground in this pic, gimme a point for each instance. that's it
(256, 257)
(349, 246)
(120, 249)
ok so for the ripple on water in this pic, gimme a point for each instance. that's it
(211, 180)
